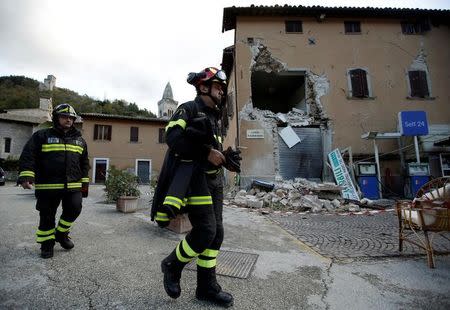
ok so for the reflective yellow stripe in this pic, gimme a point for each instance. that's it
(74, 185)
(84, 180)
(206, 263)
(213, 171)
(62, 147)
(62, 229)
(210, 253)
(187, 248)
(26, 173)
(42, 239)
(180, 122)
(44, 233)
(180, 257)
(162, 217)
(218, 138)
(199, 200)
(65, 223)
(173, 201)
(49, 186)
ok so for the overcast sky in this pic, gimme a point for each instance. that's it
(128, 49)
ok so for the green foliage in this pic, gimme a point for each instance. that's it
(121, 183)
(19, 92)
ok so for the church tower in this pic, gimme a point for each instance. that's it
(167, 106)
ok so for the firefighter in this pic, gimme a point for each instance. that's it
(191, 181)
(55, 161)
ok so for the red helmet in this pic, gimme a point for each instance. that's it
(210, 74)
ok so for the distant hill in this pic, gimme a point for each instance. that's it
(20, 92)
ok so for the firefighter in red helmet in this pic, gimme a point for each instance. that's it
(55, 161)
(191, 181)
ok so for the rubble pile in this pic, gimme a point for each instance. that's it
(294, 195)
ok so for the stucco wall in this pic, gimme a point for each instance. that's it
(121, 152)
(19, 134)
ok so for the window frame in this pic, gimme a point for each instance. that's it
(101, 135)
(351, 94)
(288, 23)
(415, 27)
(352, 23)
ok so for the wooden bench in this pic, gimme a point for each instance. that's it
(428, 213)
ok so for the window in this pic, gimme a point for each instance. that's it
(416, 27)
(418, 84)
(294, 26)
(102, 132)
(352, 27)
(7, 145)
(162, 135)
(358, 82)
(134, 134)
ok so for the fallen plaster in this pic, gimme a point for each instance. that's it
(317, 86)
(420, 62)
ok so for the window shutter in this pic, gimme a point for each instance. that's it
(95, 132)
(359, 83)
(418, 83)
(134, 134)
(162, 132)
(108, 132)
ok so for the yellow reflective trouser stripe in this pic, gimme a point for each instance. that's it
(74, 185)
(58, 186)
(187, 249)
(210, 253)
(207, 263)
(174, 201)
(26, 173)
(42, 236)
(162, 217)
(65, 223)
(212, 171)
(49, 186)
(199, 200)
(179, 122)
(84, 180)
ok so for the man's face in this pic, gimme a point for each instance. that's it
(217, 92)
(65, 121)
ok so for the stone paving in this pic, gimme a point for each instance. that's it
(350, 235)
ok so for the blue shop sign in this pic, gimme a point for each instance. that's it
(413, 123)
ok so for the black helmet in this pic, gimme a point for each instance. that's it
(207, 75)
(64, 109)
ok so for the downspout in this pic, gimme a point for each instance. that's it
(238, 140)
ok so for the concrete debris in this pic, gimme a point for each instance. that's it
(296, 195)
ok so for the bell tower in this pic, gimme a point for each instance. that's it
(167, 106)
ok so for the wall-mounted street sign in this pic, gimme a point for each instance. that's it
(255, 133)
(413, 123)
(342, 176)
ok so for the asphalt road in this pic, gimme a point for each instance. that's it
(116, 265)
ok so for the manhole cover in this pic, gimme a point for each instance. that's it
(232, 264)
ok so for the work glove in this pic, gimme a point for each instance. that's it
(232, 160)
(164, 215)
(84, 189)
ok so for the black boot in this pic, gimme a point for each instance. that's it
(172, 267)
(47, 248)
(64, 240)
(209, 290)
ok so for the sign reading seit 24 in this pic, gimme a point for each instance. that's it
(413, 123)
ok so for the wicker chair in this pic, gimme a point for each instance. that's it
(429, 213)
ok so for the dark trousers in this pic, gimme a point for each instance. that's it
(47, 205)
(207, 222)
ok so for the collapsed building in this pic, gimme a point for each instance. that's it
(304, 81)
